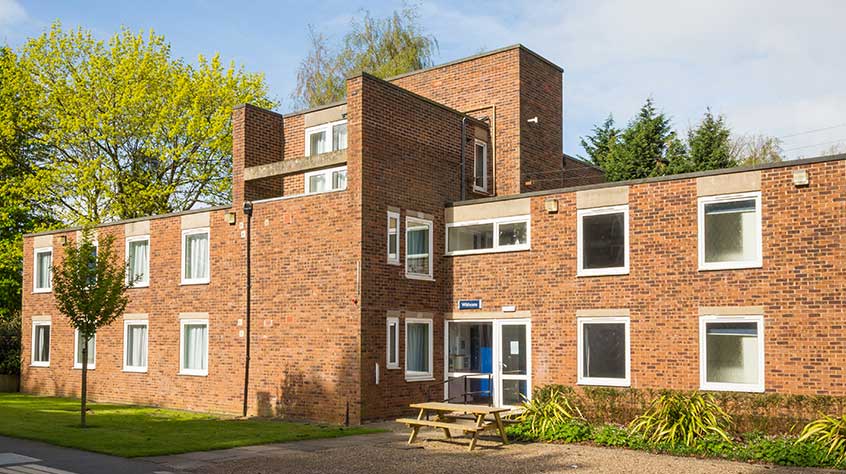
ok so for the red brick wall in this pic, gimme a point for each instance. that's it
(800, 284)
(540, 143)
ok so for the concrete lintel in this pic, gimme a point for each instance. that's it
(593, 198)
(602, 313)
(731, 310)
(728, 184)
(296, 165)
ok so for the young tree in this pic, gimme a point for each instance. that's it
(90, 290)
(749, 150)
(710, 145)
(127, 130)
(383, 47)
(598, 146)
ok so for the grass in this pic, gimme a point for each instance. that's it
(132, 431)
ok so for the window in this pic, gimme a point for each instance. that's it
(393, 343)
(77, 350)
(194, 347)
(326, 137)
(43, 270)
(731, 353)
(603, 356)
(418, 349)
(195, 256)
(603, 241)
(730, 231)
(418, 248)
(480, 167)
(393, 237)
(138, 261)
(322, 181)
(492, 235)
(41, 343)
(135, 345)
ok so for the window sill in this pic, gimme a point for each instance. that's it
(35, 292)
(419, 277)
(704, 267)
(147, 285)
(423, 378)
(40, 364)
(731, 388)
(396, 264)
(392, 367)
(193, 283)
(194, 374)
(135, 371)
(603, 272)
(486, 251)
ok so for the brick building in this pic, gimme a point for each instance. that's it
(427, 239)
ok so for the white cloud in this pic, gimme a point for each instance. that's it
(772, 66)
(11, 12)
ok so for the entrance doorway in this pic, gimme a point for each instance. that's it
(488, 362)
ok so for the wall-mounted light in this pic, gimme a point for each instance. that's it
(63, 239)
(800, 178)
(230, 218)
(551, 205)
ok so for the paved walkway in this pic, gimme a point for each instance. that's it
(20, 456)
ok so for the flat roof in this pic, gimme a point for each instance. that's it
(657, 179)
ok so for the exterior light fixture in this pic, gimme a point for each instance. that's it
(551, 205)
(800, 178)
(230, 218)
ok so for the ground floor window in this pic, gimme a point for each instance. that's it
(393, 343)
(135, 346)
(194, 347)
(77, 350)
(732, 353)
(41, 343)
(603, 351)
(418, 349)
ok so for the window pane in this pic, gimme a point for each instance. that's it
(392, 343)
(471, 347)
(418, 347)
(339, 137)
(139, 262)
(417, 253)
(514, 392)
(479, 166)
(136, 345)
(317, 143)
(732, 352)
(604, 350)
(603, 241)
(196, 340)
(44, 261)
(393, 237)
(196, 256)
(317, 183)
(339, 179)
(513, 233)
(79, 342)
(471, 237)
(41, 346)
(731, 231)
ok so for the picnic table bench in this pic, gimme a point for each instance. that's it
(447, 418)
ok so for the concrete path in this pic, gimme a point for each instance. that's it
(20, 456)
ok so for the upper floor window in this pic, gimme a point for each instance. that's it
(480, 167)
(321, 181)
(603, 241)
(393, 237)
(138, 261)
(43, 270)
(418, 248)
(195, 256)
(504, 234)
(326, 137)
(730, 231)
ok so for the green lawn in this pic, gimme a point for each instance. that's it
(132, 431)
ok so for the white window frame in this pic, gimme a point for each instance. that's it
(35, 288)
(604, 381)
(324, 127)
(140, 238)
(77, 364)
(414, 222)
(420, 376)
(136, 322)
(703, 355)
(195, 281)
(395, 322)
(34, 362)
(182, 369)
(598, 211)
(393, 256)
(484, 188)
(496, 247)
(757, 263)
(326, 171)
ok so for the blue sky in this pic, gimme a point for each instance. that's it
(771, 66)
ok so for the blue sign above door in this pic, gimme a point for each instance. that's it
(469, 304)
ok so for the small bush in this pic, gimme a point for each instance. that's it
(827, 431)
(611, 435)
(786, 451)
(676, 417)
(548, 410)
(10, 344)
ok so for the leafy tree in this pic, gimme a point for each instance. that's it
(383, 47)
(710, 145)
(10, 344)
(126, 129)
(90, 290)
(756, 149)
(598, 146)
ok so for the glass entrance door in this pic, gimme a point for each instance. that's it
(513, 371)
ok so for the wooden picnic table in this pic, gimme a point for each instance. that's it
(446, 418)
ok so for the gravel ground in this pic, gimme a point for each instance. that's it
(388, 453)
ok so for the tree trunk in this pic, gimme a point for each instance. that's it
(84, 380)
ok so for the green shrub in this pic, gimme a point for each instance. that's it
(547, 410)
(573, 431)
(677, 417)
(10, 344)
(611, 435)
(827, 431)
(786, 451)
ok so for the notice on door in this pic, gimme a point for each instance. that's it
(515, 347)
